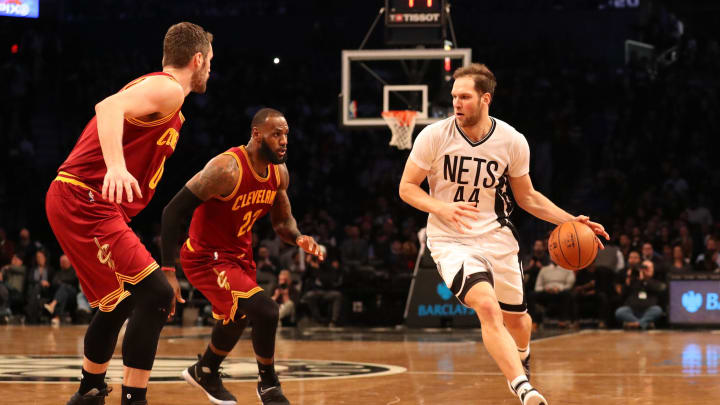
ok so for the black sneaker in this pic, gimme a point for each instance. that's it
(272, 395)
(526, 366)
(93, 397)
(210, 382)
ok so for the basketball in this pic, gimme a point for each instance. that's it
(572, 245)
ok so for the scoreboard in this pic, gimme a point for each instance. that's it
(414, 13)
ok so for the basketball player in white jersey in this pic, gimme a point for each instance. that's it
(470, 160)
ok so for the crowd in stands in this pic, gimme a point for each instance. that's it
(636, 151)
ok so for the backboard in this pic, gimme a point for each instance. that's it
(377, 80)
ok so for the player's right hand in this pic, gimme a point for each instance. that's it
(458, 214)
(116, 180)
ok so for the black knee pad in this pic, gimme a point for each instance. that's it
(153, 293)
(263, 314)
(225, 336)
(102, 333)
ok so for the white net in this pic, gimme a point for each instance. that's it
(402, 124)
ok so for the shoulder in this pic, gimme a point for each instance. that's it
(159, 87)
(284, 176)
(505, 129)
(440, 128)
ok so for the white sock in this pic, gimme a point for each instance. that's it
(524, 352)
(518, 383)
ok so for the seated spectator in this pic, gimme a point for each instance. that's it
(649, 253)
(709, 260)
(265, 262)
(65, 283)
(590, 300)
(322, 286)
(553, 291)
(14, 275)
(533, 262)
(286, 295)
(680, 263)
(38, 287)
(641, 295)
(354, 250)
(26, 247)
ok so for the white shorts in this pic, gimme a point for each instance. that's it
(495, 254)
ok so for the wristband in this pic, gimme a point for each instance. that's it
(168, 268)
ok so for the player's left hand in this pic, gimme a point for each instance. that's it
(309, 245)
(596, 227)
(172, 279)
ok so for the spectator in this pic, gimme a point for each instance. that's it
(65, 283)
(38, 287)
(322, 286)
(641, 295)
(265, 262)
(25, 247)
(533, 262)
(354, 251)
(553, 291)
(14, 276)
(589, 299)
(286, 294)
(709, 260)
(648, 253)
(680, 263)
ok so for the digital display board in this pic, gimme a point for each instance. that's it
(20, 8)
(694, 302)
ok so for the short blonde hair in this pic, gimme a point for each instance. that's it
(482, 76)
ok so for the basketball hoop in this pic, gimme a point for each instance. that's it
(402, 124)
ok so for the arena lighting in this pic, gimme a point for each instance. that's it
(14, 48)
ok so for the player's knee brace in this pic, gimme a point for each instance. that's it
(102, 333)
(225, 336)
(153, 294)
(263, 314)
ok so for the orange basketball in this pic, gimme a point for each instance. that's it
(572, 245)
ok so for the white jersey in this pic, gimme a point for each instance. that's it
(463, 170)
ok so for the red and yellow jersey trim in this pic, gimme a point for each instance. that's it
(235, 296)
(257, 176)
(110, 301)
(240, 174)
(66, 177)
(156, 122)
(189, 246)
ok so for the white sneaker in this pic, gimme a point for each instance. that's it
(530, 396)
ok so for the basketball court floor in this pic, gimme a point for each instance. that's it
(41, 365)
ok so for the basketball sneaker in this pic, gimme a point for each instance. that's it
(271, 395)
(530, 396)
(93, 397)
(209, 382)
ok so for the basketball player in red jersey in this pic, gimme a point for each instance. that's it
(110, 176)
(233, 191)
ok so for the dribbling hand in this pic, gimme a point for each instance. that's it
(116, 180)
(458, 214)
(596, 227)
(309, 245)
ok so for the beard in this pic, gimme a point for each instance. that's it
(271, 156)
(198, 83)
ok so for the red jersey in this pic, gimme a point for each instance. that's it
(146, 146)
(224, 225)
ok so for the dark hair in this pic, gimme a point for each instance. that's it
(482, 76)
(182, 41)
(262, 115)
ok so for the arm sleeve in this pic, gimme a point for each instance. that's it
(174, 217)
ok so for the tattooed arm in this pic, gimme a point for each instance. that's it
(218, 178)
(285, 224)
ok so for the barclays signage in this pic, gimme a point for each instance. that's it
(695, 302)
(431, 304)
(452, 308)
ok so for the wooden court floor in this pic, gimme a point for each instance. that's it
(589, 367)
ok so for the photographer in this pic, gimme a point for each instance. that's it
(641, 295)
(286, 295)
